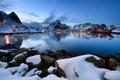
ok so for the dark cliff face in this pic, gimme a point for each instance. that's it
(57, 25)
(14, 17)
(2, 16)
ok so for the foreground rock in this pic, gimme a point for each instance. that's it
(108, 62)
(23, 69)
(30, 62)
(99, 63)
(78, 69)
(113, 63)
(34, 61)
(20, 58)
(112, 75)
(48, 60)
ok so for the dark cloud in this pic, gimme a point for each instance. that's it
(5, 5)
(33, 24)
(50, 18)
(63, 18)
(31, 13)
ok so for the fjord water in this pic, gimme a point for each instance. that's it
(74, 42)
(77, 42)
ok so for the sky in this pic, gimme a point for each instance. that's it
(68, 11)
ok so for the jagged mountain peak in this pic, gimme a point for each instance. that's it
(14, 17)
(10, 23)
(57, 21)
(57, 25)
(3, 16)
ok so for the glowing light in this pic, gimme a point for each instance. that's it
(7, 39)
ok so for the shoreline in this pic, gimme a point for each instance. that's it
(58, 54)
(117, 33)
(48, 59)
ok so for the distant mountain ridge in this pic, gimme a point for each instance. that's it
(57, 25)
(94, 27)
(10, 23)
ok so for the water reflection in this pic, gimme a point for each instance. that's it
(57, 36)
(92, 35)
(10, 41)
(75, 42)
(7, 39)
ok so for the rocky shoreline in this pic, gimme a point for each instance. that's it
(16, 57)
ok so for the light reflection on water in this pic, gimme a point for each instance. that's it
(79, 43)
(73, 42)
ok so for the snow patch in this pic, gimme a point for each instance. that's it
(22, 69)
(78, 69)
(34, 59)
(51, 69)
(31, 72)
(112, 75)
(3, 64)
(53, 77)
(13, 70)
(4, 51)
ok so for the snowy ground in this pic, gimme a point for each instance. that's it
(74, 68)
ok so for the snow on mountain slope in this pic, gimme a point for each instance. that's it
(34, 26)
(57, 25)
(86, 26)
(11, 23)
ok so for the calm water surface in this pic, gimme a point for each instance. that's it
(73, 42)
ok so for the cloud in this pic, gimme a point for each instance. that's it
(31, 14)
(5, 5)
(50, 18)
(63, 18)
(33, 24)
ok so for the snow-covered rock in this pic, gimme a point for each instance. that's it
(51, 69)
(13, 70)
(3, 64)
(31, 72)
(22, 69)
(38, 72)
(19, 58)
(35, 60)
(78, 69)
(53, 77)
(4, 51)
(6, 75)
(112, 75)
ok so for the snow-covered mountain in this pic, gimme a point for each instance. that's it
(10, 23)
(57, 25)
(90, 26)
(86, 26)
